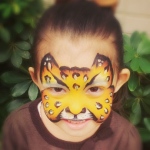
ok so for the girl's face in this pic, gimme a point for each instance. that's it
(77, 80)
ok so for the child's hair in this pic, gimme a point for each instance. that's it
(82, 18)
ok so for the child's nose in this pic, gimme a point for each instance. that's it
(76, 110)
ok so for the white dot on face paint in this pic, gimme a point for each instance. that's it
(51, 112)
(107, 100)
(47, 59)
(46, 97)
(102, 117)
(106, 110)
(47, 105)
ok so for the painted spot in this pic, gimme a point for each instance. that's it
(106, 110)
(76, 86)
(63, 75)
(49, 66)
(100, 62)
(108, 78)
(46, 97)
(98, 105)
(51, 112)
(57, 104)
(106, 69)
(107, 100)
(47, 105)
(75, 75)
(85, 78)
(101, 117)
(111, 94)
(47, 78)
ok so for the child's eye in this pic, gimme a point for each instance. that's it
(95, 91)
(57, 91)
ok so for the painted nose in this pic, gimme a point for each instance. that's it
(75, 111)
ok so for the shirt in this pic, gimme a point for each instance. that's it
(24, 130)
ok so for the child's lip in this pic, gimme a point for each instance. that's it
(76, 124)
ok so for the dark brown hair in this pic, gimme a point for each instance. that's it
(81, 18)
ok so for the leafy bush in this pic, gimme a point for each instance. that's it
(18, 20)
(137, 59)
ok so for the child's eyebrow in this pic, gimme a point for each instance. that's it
(96, 83)
(55, 85)
(60, 82)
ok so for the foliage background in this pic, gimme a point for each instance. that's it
(17, 22)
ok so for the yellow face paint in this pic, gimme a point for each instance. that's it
(77, 93)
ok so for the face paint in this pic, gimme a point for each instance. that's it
(77, 93)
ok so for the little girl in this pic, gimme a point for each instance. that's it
(78, 67)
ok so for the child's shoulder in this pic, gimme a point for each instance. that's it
(120, 123)
(21, 112)
(120, 133)
(20, 115)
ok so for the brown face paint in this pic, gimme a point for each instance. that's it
(77, 93)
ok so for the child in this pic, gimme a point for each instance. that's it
(78, 67)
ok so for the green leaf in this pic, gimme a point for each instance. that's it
(134, 64)
(33, 92)
(20, 88)
(4, 95)
(145, 135)
(31, 39)
(144, 65)
(16, 8)
(23, 45)
(12, 77)
(146, 107)
(128, 56)
(129, 48)
(147, 123)
(16, 59)
(133, 81)
(135, 39)
(4, 56)
(126, 39)
(18, 27)
(146, 100)
(7, 11)
(144, 48)
(24, 54)
(135, 116)
(138, 92)
(146, 90)
(129, 102)
(4, 34)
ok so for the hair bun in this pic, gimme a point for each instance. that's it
(103, 3)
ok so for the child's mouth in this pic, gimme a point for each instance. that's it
(76, 121)
(76, 124)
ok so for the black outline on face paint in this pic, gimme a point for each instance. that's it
(103, 58)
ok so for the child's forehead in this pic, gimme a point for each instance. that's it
(77, 51)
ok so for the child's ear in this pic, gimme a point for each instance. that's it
(123, 77)
(32, 74)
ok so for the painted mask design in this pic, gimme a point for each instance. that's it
(77, 93)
